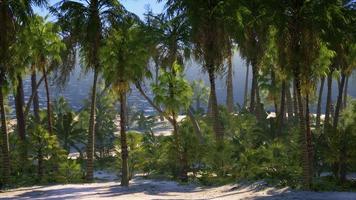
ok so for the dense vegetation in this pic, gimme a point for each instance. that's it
(294, 49)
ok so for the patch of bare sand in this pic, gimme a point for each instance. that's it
(141, 189)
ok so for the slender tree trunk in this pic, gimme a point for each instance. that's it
(229, 85)
(36, 104)
(49, 112)
(123, 140)
(339, 101)
(273, 81)
(161, 117)
(195, 124)
(289, 103)
(5, 141)
(309, 136)
(217, 126)
(157, 108)
(328, 102)
(20, 118)
(282, 109)
(340, 165)
(258, 106)
(307, 170)
(345, 92)
(210, 106)
(253, 89)
(295, 100)
(246, 85)
(91, 134)
(320, 97)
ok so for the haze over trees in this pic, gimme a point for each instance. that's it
(294, 50)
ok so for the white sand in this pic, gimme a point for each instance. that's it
(141, 189)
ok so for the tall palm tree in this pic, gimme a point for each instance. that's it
(12, 13)
(209, 36)
(45, 50)
(306, 56)
(83, 23)
(170, 35)
(124, 58)
(250, 33)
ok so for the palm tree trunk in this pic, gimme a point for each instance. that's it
(273, 82)
(307, 171)
(19, 103)
(91, 134)
(345, 92)
(339, 101)
(5, 141)
(123, 140)
(328, 102)
(156, 107)
(217, 126)
(161, 117)
(246, 84)
(282, 109)
(49, 112)
(289, 103)
(295, 100)
(195, 124)
(229, 85)
(209, 111)
(309, 136)
(253, 89)
(36, 104)
(258, 106)
(320, 97)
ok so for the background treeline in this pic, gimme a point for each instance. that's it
(294, 49)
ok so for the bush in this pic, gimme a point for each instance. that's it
(70, 172)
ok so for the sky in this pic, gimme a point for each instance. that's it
(138, 7)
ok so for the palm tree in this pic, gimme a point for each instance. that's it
(12, 13)
(125, 59)
(19, 60)
(83, 23)
(45, 50)
(251, 35)
(209, 36)
(306, 56)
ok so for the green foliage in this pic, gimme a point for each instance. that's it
(136, 154)
(144, 123)
(258, 156)
(200, 94)
(67, 128)
(44, 146)
(69, 171)
(105, 124)
(172, 90)
(124, 55)
(337, 145)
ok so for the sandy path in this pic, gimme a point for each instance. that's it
(149, 189)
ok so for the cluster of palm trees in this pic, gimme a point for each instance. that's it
(293, 44)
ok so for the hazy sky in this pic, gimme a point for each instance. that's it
(136, 6)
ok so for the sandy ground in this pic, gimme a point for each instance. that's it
(141, 189)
